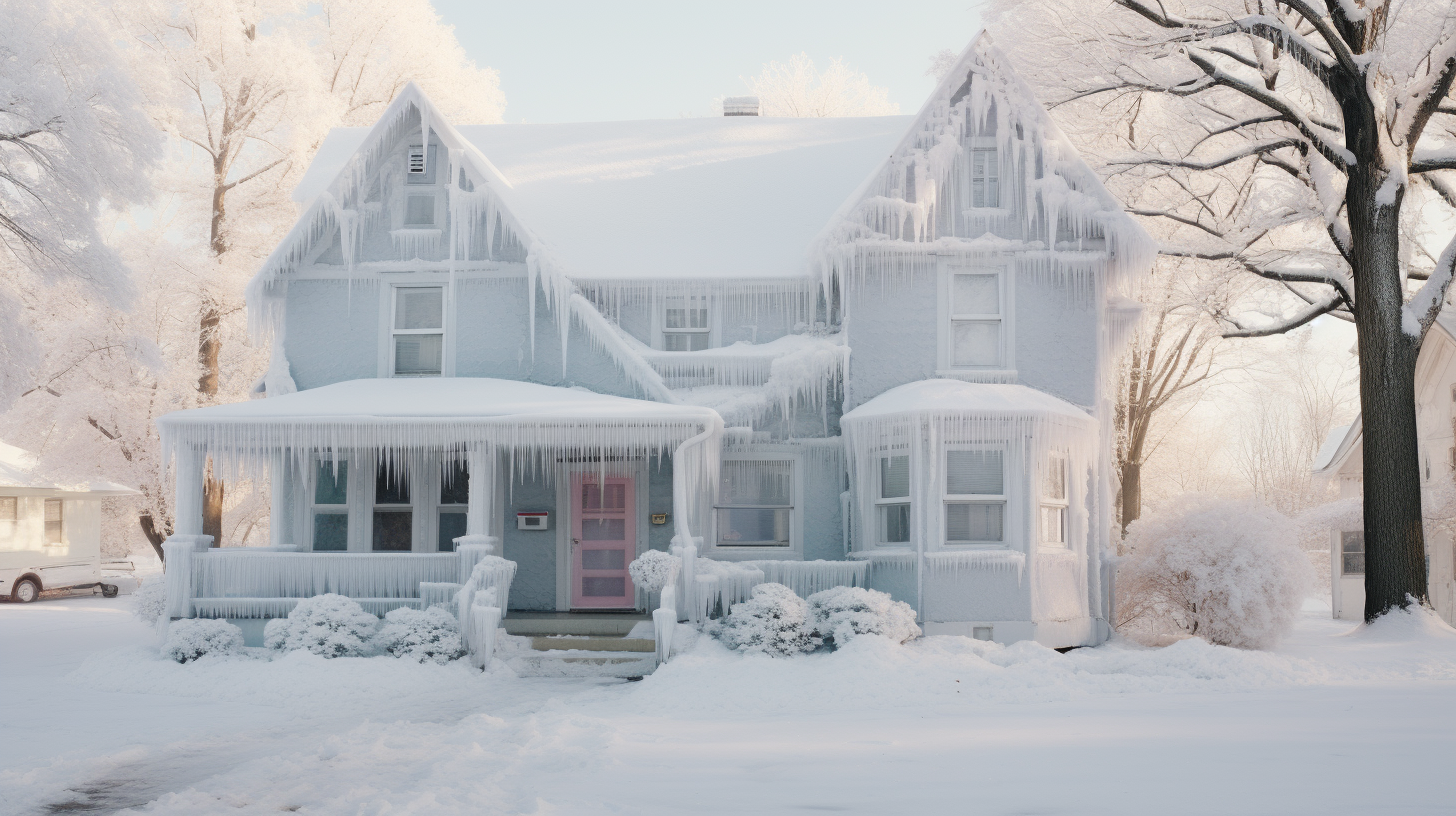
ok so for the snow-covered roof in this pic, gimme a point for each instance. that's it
(731, 197)
(452, 412)
(17, 469)
(1332, 445)
(966, 398)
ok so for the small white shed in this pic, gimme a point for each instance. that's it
(50, 533)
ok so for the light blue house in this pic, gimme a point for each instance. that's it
(816, 351)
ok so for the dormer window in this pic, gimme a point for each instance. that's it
(420, 171)
(685, 323)
(985, 178)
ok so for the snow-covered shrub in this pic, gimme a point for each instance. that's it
(1228, 571)
(422, 635)
(150, 600)
(774, 621)
(191, 638)
(329, 625)
(841, 613)
(654, 570)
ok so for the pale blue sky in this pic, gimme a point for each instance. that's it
(575, 61)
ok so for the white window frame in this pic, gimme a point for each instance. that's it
(351, 491)
(391, 307)
(880, 502)
(435, 507)
(978, 147)
(1050, 505)
(948, 317)
(795, 550)
(666, 302)
(60, 521)
(947, 498)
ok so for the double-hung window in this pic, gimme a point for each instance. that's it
(892, 504)
(975, 334)
(1053, 515)
(454, 498)
(331, 506)
(393, 512)
(685, 323)
(755, 503)
(975, 496)
(418, 333)
(54, 518)
(985, 178)
(1352, 552)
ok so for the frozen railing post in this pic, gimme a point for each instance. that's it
(664, 622)
(686, 601)
(180, 552)
(484, 617)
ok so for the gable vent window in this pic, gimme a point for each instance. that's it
(985, 178)
(420, 171)
(685, 324)
(419, 331)
(975, 500)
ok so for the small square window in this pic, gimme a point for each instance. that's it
(419, 210)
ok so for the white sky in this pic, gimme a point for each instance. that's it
(575, 61)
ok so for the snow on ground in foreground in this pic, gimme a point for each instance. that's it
(1334, 721)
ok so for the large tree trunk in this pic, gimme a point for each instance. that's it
(1131, 494)
(1395, 551)
(155, 536)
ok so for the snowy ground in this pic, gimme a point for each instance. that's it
(94, 721)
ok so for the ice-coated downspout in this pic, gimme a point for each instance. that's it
(683, 542)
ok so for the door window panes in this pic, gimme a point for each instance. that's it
(1352, 552)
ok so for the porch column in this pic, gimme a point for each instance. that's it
(189, 491)
(482, 463)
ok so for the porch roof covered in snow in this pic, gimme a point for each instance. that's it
(452, 413)
(957, 397)
(721, 197)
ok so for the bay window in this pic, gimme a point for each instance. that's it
(975, 496)
(892, 505)
(1053, 515)
(755, 503)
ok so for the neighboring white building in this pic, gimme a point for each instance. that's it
(810, 351)
(1340, 458)
(50, 534)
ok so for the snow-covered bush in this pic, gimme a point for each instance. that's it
(191, 638)
(774, 621)
(841, 613)
(422, 635)
(150, 599)
(329, 625)
(1228, 571)
(654, 570)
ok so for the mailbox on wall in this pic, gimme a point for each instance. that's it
(534, 520)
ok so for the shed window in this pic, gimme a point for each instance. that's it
(1352, 552)
(1053, 516)
(331, 507)
(975, 500)
(53, 521)
(419, 331)
(393, 512)
(985, 178)
(975, 330)
(685, 323)
(755, 503)
(893, 502)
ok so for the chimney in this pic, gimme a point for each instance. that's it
(740, 106)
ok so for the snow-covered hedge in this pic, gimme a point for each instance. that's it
(422, 635)
(150, 599)
(329, 625)
(842, 613)
(1228, 571)
(774, 621)
(191, 638)
(653, 570)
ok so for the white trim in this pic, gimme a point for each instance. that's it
(1006, 283)
(880, 501)
(795, 550)
(387, 307)
(941, 541)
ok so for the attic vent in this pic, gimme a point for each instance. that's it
(740, 106)
(417, 159)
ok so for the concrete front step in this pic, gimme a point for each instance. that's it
(579, 664)
(594, 644)
(567, 623)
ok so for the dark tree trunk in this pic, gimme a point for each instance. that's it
(1395, 551)
(212, 491)
(155, 536)
(1131, 494)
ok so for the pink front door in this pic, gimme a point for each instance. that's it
(603, 541)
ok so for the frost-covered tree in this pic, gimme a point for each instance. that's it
(73, 142)
(798, 88)
(1306, 145)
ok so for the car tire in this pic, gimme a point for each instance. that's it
(110, 590)
(26, 590)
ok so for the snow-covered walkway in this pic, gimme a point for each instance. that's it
(94, 721)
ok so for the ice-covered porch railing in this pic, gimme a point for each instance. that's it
(718, 585)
